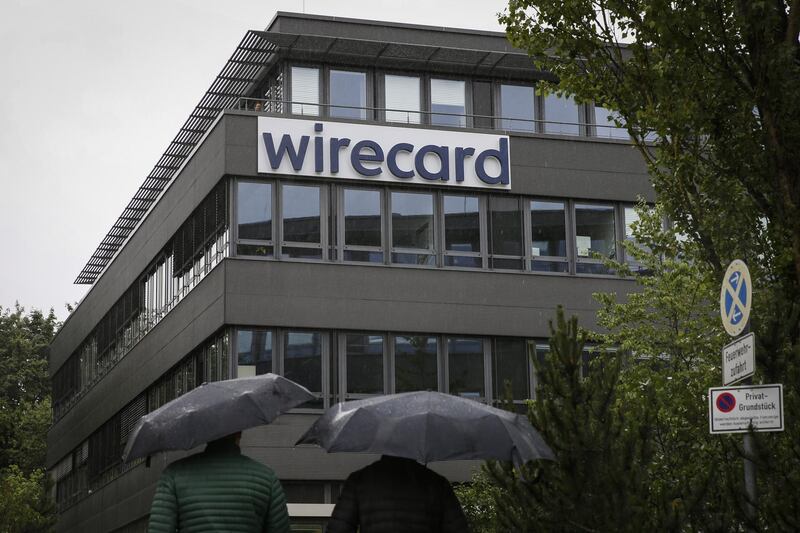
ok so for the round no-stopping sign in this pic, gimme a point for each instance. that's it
(735, 298)
(726, 402)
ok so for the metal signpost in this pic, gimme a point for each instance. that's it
(735, 299)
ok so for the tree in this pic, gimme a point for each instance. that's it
(598, 482)
(24, 419)
(708, 91)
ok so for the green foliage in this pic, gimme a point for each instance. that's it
(709, 93)
(24, 419)
(24, 506)
(601, 445)
(478, 499)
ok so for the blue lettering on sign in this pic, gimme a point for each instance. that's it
(367, 156)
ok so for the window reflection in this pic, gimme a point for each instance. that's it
(412, 227)
(462, 232)
(595, 233)
(364, 363)
(301, 220)
(561, 115)
(605, 125)
(505, 218)
(415, 363)
(254, 349)
(448, 96)
(517, 108)
(548, 236)
(402, 95)
(348, 89)
(465, 367)
(362, 225)
(510, 369)
(302, 361)
(254, 217)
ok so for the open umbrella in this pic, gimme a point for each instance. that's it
(427, 426)
(214, 410)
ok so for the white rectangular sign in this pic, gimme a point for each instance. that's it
(370, 152)
(734, 409)
(739, 359)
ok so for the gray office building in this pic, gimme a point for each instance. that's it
(363, 207)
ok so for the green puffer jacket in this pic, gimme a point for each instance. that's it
(218, 490)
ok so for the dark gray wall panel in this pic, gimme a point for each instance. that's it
(578, 168)
(192, 321)
(396, 33)
(201, 174)
(405, 299)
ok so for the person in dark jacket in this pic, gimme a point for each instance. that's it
(219, 490)
(397, 495)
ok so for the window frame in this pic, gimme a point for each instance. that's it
(567, 259)
(427, 102)
(344, 395)
(236, 241)
(341, 245)
(434, 252)
(381, 92)
(590, 260)
(289, 77)
(524, 237)
(487, 376)
(538, 123)
(324, 221)
(482, 229)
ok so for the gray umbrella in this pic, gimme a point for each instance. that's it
(427, 426)
(214, 410)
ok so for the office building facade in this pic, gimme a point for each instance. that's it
(363, 207)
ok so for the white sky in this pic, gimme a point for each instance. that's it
(91, 94)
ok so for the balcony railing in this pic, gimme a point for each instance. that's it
(432, 118)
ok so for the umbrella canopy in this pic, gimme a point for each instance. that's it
(427, 426)
(214, 410)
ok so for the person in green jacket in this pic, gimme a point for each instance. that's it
(219, 490)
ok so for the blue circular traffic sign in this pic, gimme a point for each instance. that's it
(735, 298)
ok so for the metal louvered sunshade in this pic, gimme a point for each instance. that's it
(239, 73)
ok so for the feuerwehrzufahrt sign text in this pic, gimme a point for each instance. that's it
(739, 360)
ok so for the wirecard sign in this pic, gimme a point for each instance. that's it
(383, 153)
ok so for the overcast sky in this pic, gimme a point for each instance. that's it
(93, 91)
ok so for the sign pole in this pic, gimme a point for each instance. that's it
(750, 470)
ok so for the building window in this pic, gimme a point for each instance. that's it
(363, 225)
(561, 115)
(510, 370)
(606, 127)
(631, 218)
(254, 351)
(364, 363)
(548, 236)
(301, 221)
(402, 99)
(462, 231)
(415, 363)
(254, 219)
(348, 94)
(448, 103)
(465, 368)
(517, 108)
(505, 219)
(305, 91)
(302, 361)
(412, 228)
(595, 234)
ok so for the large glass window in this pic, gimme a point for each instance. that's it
(305, 91)
(412, 228)
(302, 361)
(301, 221)
(462, 231)
(254, 218)
(448, 97)
(548, 236)
(254, 350)
(517, 110)
(415, 363)
(631, 218)
(465, 367)
(402, 98)
(561, 115)
(349, 90)
(363, 225)
(505, 219)
(594, 234)
(510, 371)
(605, 125)
(364, 361)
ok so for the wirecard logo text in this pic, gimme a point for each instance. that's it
(383, 153)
